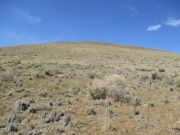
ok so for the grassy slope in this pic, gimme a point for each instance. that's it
(82, 66)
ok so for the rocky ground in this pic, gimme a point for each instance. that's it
(89, 89)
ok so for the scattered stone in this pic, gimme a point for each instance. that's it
(12, 128)
(110, 113)
(33, 108)
(21, 105)
(53, 117)
(14, 118)
(67, 119)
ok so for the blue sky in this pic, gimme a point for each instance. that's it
(147, 23)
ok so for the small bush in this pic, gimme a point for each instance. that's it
(161, 70)
(76, 90)
(120, 95)
(98, 93)
(116, 81)
(169, 81)
(78, 123)
(155, 76)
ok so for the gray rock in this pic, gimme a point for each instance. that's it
(67, 119)
(53, 117)
(33, 108)
(14, 118)
(110, 113)
(21, 105)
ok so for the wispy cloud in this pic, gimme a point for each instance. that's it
(154, 27)
(133, 10)
(172, 21)
(25, 16)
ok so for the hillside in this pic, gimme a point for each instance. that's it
(88, 89)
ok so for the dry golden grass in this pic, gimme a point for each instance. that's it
(63, 74)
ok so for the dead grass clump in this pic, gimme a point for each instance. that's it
(115, 81)
(120, 95)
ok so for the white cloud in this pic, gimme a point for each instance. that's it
(26, 16)
(154, 27)
(172, 21)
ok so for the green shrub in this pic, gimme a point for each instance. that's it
(161, 70)
(98, 93)
(169, 81)
(76, 90)
(78, 124)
